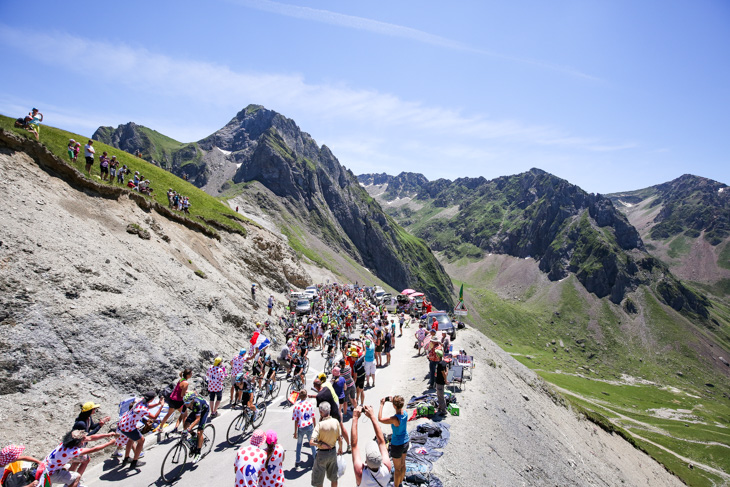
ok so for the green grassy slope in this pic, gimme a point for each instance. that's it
(203, 206)
(643, 372)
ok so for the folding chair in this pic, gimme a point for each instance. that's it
(466, 361)
(456, 375)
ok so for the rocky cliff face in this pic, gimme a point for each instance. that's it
(89, 311)
(262, 145)
(538, 215)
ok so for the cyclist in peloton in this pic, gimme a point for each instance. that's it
(257, 369)
(244, 390)
(198, 412)
(297, 364)
(272, 365)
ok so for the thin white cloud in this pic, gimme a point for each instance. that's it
(202, 83)
(394, 30)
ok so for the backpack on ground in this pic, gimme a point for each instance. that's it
(19, 479)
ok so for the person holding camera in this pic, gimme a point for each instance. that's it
(400, 441)
(375, 471)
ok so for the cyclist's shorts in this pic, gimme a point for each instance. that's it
(203, 419)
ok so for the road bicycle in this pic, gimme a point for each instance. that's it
(295, 385)
(244, 421)
(329, 363)
(176, 460)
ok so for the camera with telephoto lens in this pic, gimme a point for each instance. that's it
(388, 399)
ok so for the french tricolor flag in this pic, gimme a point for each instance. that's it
(259, 341)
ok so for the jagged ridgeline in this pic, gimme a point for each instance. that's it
(262, 146)
(538, 215)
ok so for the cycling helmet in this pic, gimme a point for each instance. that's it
(189, 397)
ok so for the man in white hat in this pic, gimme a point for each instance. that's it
(376, 469)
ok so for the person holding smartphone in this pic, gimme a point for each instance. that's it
(400, 441)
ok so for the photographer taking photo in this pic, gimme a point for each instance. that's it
(400, 441)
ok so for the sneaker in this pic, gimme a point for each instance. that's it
(117, 453)
(141, 454)
(195, 458)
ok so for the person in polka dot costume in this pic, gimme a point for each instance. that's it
(248, 466)
(128, 425)
(71, 447)
(304, 421)
(14, 453)
(215, 377)
(237, 364)
(273, 475)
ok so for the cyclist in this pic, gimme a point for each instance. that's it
(244, 389)
(257, 369)
(331, 343)
(297, 364)
(272, 365)
(198, 412)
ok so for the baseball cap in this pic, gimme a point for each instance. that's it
(217, 361)
(373, 458)
(149, 395)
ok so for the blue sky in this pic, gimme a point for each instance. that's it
(610, 95)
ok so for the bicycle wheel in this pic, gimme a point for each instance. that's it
(306, 365)
(175, 463)
(328, 365)
(236, 430)
(208, 439)
(259, 415)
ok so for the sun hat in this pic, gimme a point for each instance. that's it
(257, 437)
(336, 371)
(217, 361)
(149, 395)
(434, 339)
(10, 453)
(88, 406)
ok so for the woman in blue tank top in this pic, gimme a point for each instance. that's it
(400, 441)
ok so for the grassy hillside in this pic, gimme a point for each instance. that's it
(204, 208)
(647, 373)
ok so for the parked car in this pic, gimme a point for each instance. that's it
(444, 323)
(303, 307)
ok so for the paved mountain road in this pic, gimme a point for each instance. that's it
(217, 468)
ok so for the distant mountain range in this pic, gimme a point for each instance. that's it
(533, 214)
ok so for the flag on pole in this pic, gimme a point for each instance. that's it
(259, 341)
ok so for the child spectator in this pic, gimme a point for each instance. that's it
(77, 149)
(113, 164)
(71, 146)
(121, 173)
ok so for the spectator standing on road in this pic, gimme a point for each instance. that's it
(273, 475)
(441, 382)
(359, 372)
(248, 465)
(176, 398)
(400, 441)
(445, 341)
(89, 156)
(304, 422)
(420, 336)
(369, 362)
(375, 471)
(128, 425)
(215, 377)
(327, 435)
(433, 358)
